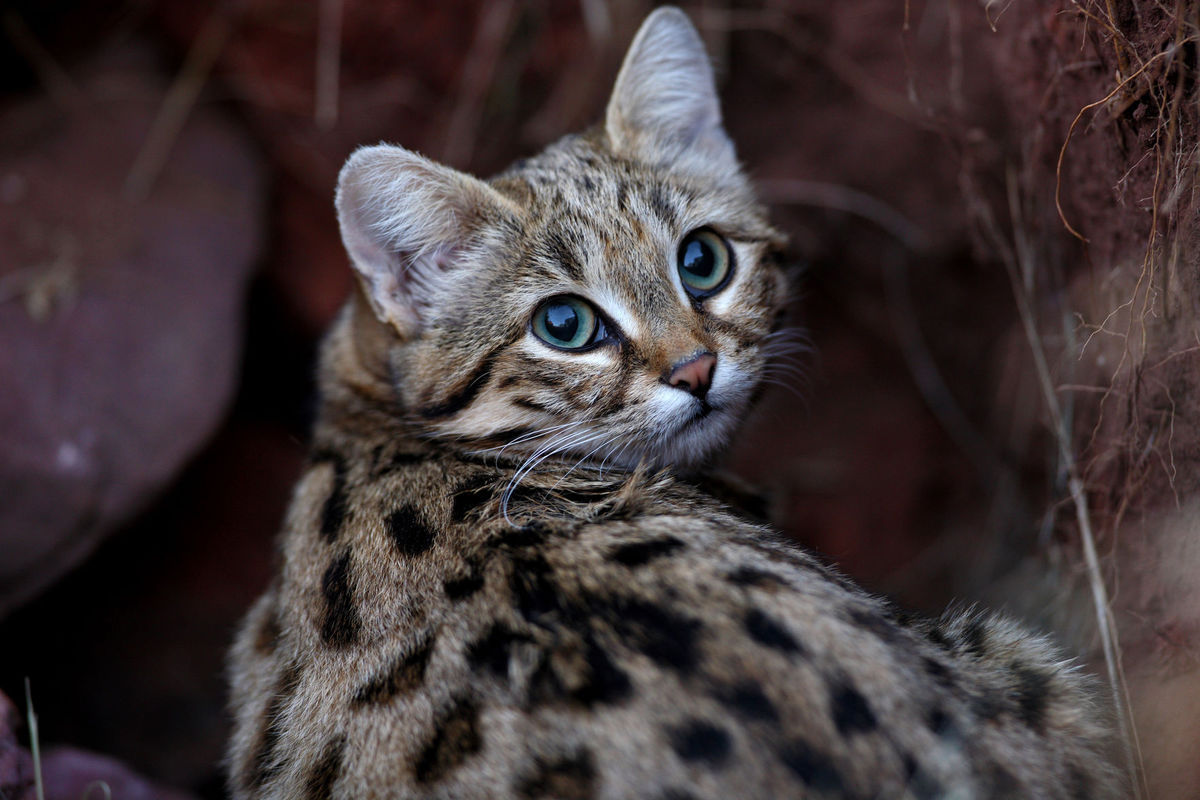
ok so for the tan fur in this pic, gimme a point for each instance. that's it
(495, 581)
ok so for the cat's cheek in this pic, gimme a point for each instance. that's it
(731, 386)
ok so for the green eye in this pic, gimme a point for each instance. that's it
(705, 263)
(568, 323)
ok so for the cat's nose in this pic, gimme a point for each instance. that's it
(694, 375)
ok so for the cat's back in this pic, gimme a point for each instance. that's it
(432, 635)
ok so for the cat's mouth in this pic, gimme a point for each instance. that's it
(702, 412)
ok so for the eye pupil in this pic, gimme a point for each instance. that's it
(698, 259)
(568, 323)
(562, 321)
(705, 263)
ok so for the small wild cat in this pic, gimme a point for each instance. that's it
(495, 582)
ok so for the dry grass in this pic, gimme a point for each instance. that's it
(1153, 97)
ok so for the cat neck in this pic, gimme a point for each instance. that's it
(358, 402)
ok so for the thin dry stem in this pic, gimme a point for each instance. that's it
(177, 105)
(329, 54)
(1062, 153)
(54, 79)
(1106, 624)
(491, 32)
(35, 743)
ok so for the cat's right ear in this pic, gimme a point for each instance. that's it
(407, 223)
(664, 107)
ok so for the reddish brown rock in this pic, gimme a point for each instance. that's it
(72, 774)
(120, 313)
(67, 773)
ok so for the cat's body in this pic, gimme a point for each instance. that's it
(493, 582)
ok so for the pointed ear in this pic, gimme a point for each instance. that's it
(409, 224)
(664, 106)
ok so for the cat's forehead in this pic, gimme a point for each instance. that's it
(580, 175)
(597, 219)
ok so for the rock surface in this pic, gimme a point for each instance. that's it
(67, 773)
(120, 316)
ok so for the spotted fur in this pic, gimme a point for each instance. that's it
(498, 582)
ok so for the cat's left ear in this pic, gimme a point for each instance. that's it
(664, 107)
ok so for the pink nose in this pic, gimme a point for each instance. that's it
(694, 375)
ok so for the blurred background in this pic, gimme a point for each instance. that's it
(992, 206)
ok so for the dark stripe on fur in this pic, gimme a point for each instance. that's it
(341, 624)
(455, 739)
(462, 397)
(405, 674)
(324, 774)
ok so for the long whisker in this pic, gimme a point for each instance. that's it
(556, 445)
(529, 436)
(603, 443)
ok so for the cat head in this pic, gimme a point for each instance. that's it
(606, 300)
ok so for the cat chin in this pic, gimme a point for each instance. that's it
(689, 445)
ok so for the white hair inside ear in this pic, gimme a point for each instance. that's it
(664, 106)
(408, 224)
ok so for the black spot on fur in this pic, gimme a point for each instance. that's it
(334, 511)
(770, 633)
(587, 184)
(471, 496)
(939, 721)
(409, 531)
(318, 784)
(677, 794)
(341, 624)
(876, 623)
(569, 778)
(463, 587)
(1079, 783)
(494, 649)
(633, 554)
(851, 713)
(532, 534)
(938, 637)
(700, 741)
(975, 638)
(1033, 689)
(605, 681)
(665, 636)
(988, 704)
(814, 769)
(748, 701)
(533, 588)
(263, 766)
(594, 679)
(752, 576)
(938, 671)
(455, 739)
(999, 782)
(920, 783)
(405, 674)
